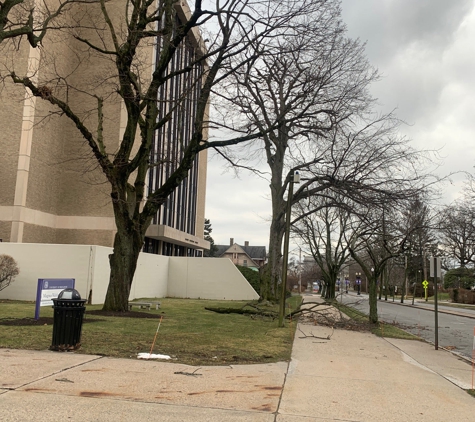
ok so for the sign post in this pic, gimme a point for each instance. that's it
(49, 289)
(435, 270)
(425, 284)
(473, 355)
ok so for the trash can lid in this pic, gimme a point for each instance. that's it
(71, 294)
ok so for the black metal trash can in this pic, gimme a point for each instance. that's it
(67, 322)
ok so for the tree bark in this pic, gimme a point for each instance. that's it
(373, 301)
(128, 243)
(270, 286)
(123, 263)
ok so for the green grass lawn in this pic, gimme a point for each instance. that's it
(188, 332)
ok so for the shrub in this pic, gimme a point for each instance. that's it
(8, 271)
(462, 296)
(251, 276)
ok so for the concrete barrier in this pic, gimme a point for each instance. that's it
(156, 275)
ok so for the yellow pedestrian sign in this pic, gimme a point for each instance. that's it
(425, 284)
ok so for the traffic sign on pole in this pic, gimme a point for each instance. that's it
(425, 284)
(435, 272)
(436, 266)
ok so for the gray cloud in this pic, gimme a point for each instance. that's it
(391, 25)
(425, 52)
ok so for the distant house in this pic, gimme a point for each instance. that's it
(246, 256)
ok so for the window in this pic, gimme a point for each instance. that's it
(245, 263)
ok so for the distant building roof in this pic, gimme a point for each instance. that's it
(254, 252)
(220, 249)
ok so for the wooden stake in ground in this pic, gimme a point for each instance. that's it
(156, 333)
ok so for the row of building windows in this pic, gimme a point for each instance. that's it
(177, 98)
(160, 247)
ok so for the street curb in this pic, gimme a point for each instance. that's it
(432, 310)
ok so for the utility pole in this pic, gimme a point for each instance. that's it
(434, 266)
(300, 270)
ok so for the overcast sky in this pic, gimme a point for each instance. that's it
(425, 52)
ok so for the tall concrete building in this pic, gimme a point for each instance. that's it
(51, 189)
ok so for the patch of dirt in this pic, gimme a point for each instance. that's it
(86, 320)
(39, 321)
(128, 314)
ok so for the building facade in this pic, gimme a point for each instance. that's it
(247, 256)
(52, 190)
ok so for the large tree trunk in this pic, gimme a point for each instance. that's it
(269, 288)
(324, 289)
(330, 282)
(275, 159)
(373, 301)
(270, 284)
(330, 290)
(123, 263)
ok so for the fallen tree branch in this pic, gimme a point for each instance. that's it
(252, 312)
(314, 336)
(307, 309)
(191, 374)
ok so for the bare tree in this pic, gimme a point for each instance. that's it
(323, 232)
(375, 241)
(312, 78)
(457, 230)
(110, 41)
(20, 18)
(418, 222)
(315, 82)
(8, 271)
(385, 239)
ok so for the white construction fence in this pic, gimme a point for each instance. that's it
(156, 275)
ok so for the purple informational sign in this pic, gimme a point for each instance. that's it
(49, 289)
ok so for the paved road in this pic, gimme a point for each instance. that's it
(455, 332)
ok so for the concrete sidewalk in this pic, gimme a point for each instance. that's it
(351, 377)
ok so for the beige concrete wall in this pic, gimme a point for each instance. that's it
(45, 261)
(11, 117)
(64, 177)
(85, 237)
(44, 179)
(5, 230)
(151, 276)
(207, 278)
(33, 233)
(99, 274)
(156, 275)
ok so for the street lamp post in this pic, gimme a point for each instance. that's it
(300, 270)
(372, 277)
(419, 278)
(415, 285)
